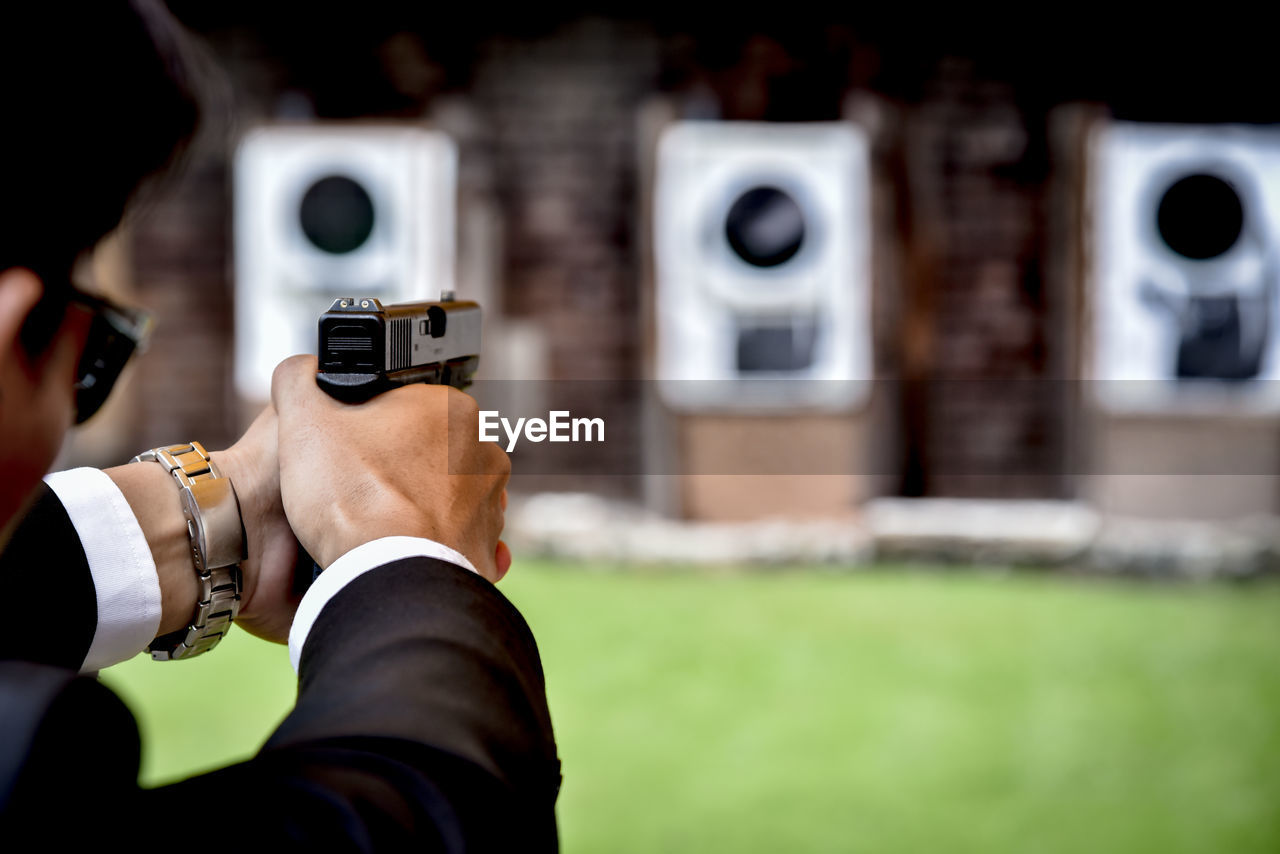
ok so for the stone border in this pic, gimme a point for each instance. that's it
(1040, 534)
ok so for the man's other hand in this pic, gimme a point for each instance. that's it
(268, 599)
(391, 466)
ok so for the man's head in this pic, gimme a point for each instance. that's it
(94, 98)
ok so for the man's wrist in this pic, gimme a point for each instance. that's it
(216, 535)
(150, 493)
(125, 581)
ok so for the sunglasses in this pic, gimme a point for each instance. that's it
(115, 334)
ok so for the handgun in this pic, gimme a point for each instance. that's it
(367, 348)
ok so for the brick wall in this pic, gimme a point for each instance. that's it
(181, 251)
(984, 419)
(558, 114)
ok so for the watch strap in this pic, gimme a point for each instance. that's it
(214, 527)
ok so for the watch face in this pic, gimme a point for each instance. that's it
(215, 516)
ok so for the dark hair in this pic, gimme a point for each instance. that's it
(95, 96)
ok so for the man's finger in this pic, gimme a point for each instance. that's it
(502, 559)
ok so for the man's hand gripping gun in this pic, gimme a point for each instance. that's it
(367, 348)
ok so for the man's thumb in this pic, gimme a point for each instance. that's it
(293, 383)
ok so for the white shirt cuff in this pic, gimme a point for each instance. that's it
(124, 573)
(352, 565)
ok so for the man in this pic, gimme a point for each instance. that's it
(421, 721)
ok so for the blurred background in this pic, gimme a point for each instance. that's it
(853, 291)
(957, 263)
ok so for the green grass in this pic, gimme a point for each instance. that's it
(883, 711)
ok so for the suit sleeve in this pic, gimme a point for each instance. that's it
(80, 567)
(454, 661)
(421, 721)
(421, 724)
(46, 575)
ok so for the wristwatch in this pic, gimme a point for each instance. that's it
(217, 546)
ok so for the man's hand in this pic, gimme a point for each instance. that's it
(267, 600)
(353, 473)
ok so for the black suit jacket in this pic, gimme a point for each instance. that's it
(421, 723)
